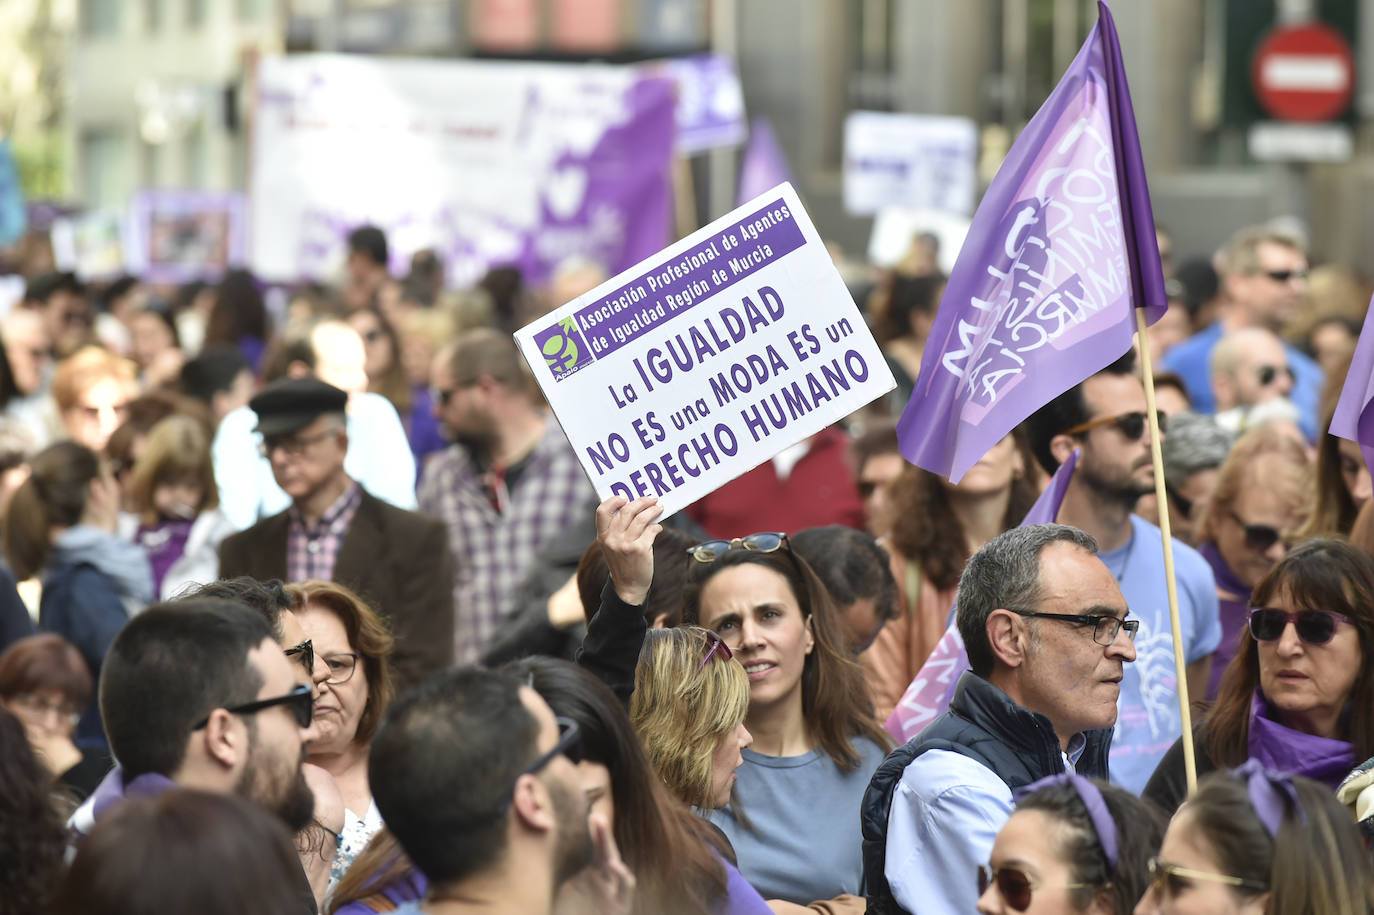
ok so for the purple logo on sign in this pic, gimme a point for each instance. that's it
(564, 348)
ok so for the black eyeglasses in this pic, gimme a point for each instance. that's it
(569, 745)
(299, 701)
(1258, 537)
(1185, 505)
(293, 445)
(1105, 628)
(717, 644)
(1268, 374)
(1015, 886)
(341, 666)
(1131, 425)
(1283, 276)
(1315, 627)
(305, 651)
(712, 550)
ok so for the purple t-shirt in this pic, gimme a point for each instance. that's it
(164, 542)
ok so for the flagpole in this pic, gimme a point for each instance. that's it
(1156, 455)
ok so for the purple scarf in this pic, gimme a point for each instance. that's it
(1233, 614)
(1291, 752)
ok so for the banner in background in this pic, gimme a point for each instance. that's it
(708, 358)
(915, 161)
(710, 102)
(13, 214)
(488, 163)
(179, 236)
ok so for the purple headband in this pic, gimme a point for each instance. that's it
(1270, 792)
(1101, 818)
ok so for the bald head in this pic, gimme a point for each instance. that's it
(1249, 367)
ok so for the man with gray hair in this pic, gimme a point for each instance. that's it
(1264, 278)
(1045, 627)
(1194, 451)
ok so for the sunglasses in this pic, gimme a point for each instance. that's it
(1169, 881)
(1131, 425)
(1315, 627)
(305, 653)
(1014, 886)
(300, 702)
(1258, 537)
(1268, 374)
(717, 644)
(569, 745)
(712, 550)
(1283, 276)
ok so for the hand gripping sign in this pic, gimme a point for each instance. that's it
(708, 358)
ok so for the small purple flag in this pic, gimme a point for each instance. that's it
(929, 694)
(1354, 416)
(764, 166)
(1041, 295)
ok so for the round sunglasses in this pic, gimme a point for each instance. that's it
(1015, 886)
(1315, 627)
(711, 550)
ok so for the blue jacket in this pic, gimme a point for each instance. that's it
(83, 605)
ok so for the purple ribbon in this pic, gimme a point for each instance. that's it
(1101, 818)
(1270, 793)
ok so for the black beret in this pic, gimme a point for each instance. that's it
(293, 403)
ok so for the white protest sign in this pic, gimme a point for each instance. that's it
(908, 160)
(708, 358)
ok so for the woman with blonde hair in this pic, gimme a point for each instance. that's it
(688, 709)
(176, 517)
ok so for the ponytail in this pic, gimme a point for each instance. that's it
(54, 495)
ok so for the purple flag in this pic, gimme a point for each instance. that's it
(1354, 418)
(764, 166)
(1041, 295)
(930, 692)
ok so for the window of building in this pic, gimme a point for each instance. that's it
(152, 16)
(195, 13)
(103, 167)
(99, 18)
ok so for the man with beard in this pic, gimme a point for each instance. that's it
(1105, 418)
(335, 530)
(508, 484)
(197, 694)
(478, 781)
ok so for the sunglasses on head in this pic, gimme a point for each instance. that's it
(717, 647)
(1315, 627)
(712, 550)
(1131, 425)
(300, 702)
(1283, 276)
(1015, 886)
(1258, 537)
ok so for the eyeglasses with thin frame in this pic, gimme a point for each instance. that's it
(1283, 276)
(767, 542)
(1170, 881)
(39, 707)
(1258, 537)
(717, 648)
(1105, 628)
(1315, 627)
(1131, 425)
(293, 445)
(341, 666)
(1015, 886)
(305, 655)
(1268, 374)
(300, 702)
(569, 745)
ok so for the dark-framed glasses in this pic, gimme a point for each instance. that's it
(1258, 537)
(1315, 627)
(1283, 276)
(303, 654)
(293, 445)
(1015, 886)
(569, 745)
(1268, 374)
(1131, 425)
(341, 666)
(717, 648)
(1170, 881)
(1105, 628)
(767, 542)
(300, 701)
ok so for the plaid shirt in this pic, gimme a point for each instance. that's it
(492, 551)
(312, 551)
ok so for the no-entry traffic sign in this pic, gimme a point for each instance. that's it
(1304, 73)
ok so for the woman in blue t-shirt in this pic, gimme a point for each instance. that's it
(794, 820)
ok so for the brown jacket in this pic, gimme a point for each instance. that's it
(397, 560)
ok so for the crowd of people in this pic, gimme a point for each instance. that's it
(307, 605)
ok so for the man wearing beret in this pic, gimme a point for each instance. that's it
(335, 530)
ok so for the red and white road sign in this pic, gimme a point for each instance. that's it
(1304, 73)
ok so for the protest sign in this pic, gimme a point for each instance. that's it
(909, 160)
(1353, 418)
(488, 163)
(179, 236)
(91, 244)
(13, 216)
(708, 358)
